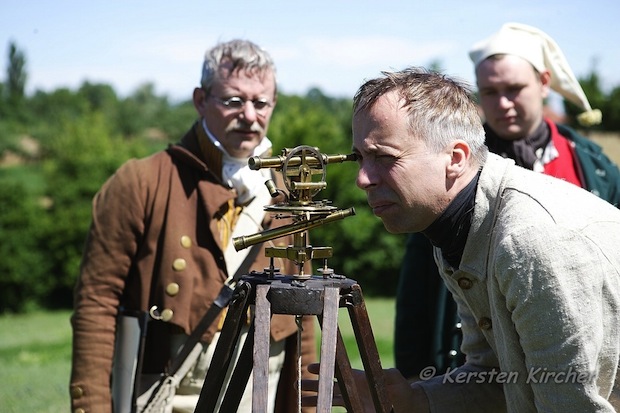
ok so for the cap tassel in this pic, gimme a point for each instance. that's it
(590, 118)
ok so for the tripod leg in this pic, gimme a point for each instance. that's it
(222, 356)
(240, 376)
(344, 374)
(262, 320)
(346, 382)
(368, 351)
(331, 301)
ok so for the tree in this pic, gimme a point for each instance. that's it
(16, 76)
(79, 158)
(611, 110)
(591, 85)
(24, 271)
(12, 92)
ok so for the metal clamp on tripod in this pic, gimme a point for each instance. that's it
(295, 294)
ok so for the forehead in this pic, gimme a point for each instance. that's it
(505, 68)
(247, 81)
(383, 125)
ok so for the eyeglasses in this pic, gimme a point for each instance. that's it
(236, 103)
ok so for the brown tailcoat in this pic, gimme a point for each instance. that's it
(153, 229)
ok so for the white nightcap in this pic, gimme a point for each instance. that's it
(543, 53)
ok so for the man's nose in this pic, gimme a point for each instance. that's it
(504, 101)
(363, 179)
(249, 112)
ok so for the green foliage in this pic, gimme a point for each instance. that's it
(24, 279)
(83, 136)
(78, 160)
(592, 89)
(609, 103)
(611, 110)
(45, 204)
(16, 74)
(144, 112)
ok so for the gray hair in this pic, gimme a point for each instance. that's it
(441, 109)
(242, 55)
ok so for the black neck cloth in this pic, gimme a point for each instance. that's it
(449, 231)
(523, 151)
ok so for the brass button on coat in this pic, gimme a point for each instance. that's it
(485, 323)
(79, 410)
(167, 314)
(465, 283)
(172, 289)
(179, 264)
(76, 392)
(186, 241)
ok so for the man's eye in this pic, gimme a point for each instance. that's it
(260, 104)
(235, 103)
(384, 158)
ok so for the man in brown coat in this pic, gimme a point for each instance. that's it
(160, 238)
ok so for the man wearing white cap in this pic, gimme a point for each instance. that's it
(516, 68)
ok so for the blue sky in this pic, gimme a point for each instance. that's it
(333, 45)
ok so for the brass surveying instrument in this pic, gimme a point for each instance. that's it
(303, 169)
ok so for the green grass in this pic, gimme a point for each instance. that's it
(35, 355)
(381, 314)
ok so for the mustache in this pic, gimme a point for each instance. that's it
(238, 125)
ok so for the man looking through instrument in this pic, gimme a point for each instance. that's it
(516, 69)
(537, 285)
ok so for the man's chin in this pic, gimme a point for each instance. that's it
(511, 133)
(245, 150)
(392, 227)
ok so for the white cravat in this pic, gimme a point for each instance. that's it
(236, 172)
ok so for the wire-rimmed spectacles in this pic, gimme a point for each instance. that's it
(237, 103)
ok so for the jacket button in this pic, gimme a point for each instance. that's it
(186, 241)
(79, 410)
(179, 264)
(172, 289)
(167, 314)
(465, 283)
(484, 323)
(76, 392)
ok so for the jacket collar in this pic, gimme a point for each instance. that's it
(490, 186)
(196, 150)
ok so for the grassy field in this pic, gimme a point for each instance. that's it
(610, 142)
(35, 355)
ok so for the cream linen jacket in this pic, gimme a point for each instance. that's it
(538, 292)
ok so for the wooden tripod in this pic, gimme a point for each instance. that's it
(285, 295)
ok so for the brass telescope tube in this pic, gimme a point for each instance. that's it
(248, 240)
(256, 162)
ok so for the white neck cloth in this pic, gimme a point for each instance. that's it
(236, 172)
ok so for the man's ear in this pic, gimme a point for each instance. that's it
(199, 99)
(545, 80)
(459, 159)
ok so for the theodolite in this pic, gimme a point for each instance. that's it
(303, 169)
